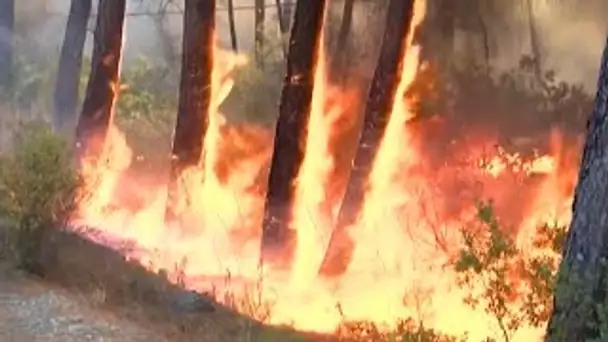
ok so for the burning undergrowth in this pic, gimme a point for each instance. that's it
(435, 161)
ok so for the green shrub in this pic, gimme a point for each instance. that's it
(146, 111)
(256, 93)
(516, 288)
(38, 192)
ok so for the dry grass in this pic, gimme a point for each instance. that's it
(111, 282)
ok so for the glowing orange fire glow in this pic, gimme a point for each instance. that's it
(402, 239)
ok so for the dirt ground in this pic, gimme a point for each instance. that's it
(36, 311)
(91, 293)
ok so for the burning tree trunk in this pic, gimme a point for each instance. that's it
(102, 88)
(194, 93)
(260, 16)
(345, 28)
(291, 129)
(580, 297)
(70, 63)
(379, 104)
(232, 23)
(7, 23)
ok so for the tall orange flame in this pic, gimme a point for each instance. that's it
(397, 268)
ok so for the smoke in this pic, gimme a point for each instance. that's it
(572, 40)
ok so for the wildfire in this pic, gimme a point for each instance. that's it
(403, 237)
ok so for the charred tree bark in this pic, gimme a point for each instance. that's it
(380, 100)
(70, 64)
(194, 92)
(292, 125)
(582, 279)
(7, 27)
(260, 16)
(232, 23)
(340, 52)
(102, 88)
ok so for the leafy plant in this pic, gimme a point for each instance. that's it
(256, 92)
(515, 288)
(38, 191)
(146, 110)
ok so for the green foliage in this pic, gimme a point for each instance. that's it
(515, 103)
(514, 287)
(256, 93)
(38, 191)
(29, 85)
(145, 90)
(146, 110)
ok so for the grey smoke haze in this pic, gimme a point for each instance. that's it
(571, 34)
(41, 25)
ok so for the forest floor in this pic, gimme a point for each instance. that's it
(91, 293)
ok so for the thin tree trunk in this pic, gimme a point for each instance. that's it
(287, 12)
(483, 30)
(194, 93)
(340, 52)
(166, 39)
(70, 64)
(7, 23)
(380, 100)
(260, 16)
(292, 125)
(283, 25)
(102, 88)
(534, 43)
(232, 23)
(580, 297)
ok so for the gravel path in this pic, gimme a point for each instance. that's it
(32, 311)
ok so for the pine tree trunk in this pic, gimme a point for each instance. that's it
(102, 88)
(232, 23)
(292, 126)
(534, 41)
(70, 64)
(194, 92)
(380, 101)
(260, 16)
(582, 279)
(7, 23)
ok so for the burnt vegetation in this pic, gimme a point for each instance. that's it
(164, 109)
